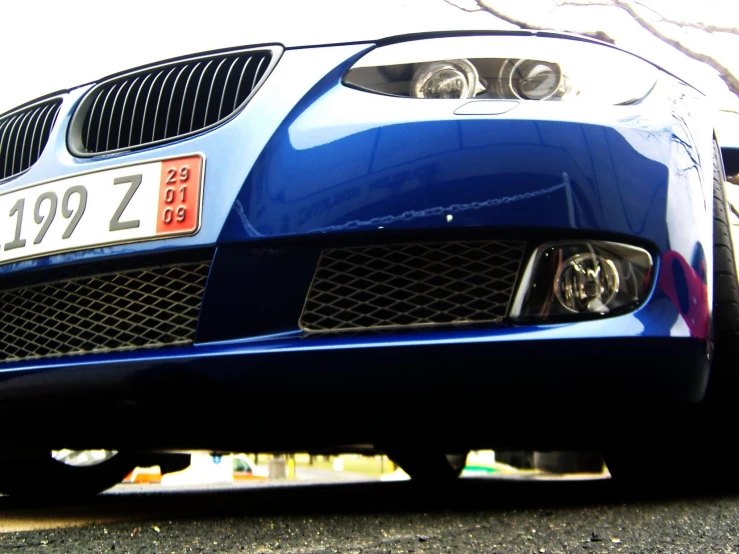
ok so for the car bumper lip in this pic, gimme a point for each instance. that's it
(616, 368)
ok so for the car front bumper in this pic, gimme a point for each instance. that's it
(310, 164)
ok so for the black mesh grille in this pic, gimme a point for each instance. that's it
(143, 308)
(168, 101)
(23, 136)
(412, 284)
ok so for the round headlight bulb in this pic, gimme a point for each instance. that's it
(453, 79)
(586, 283)
(535, 80)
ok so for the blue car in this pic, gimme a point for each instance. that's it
(427, 244)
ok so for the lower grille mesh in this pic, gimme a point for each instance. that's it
(142, 308)
(412, 284)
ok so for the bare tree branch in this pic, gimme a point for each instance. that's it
(599, 35)
(731, 80)
(707, 27)
(723, 71)
(457, 5)
(505, 17)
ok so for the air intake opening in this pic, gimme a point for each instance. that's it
(433, 283)
(128, 310)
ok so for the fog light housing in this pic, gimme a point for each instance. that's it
(586, 283)
(580, 279)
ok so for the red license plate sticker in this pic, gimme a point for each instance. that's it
(179, 196)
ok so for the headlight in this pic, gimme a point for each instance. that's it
(452, 79)
(570, 279)
(535, 80)
(504, 67)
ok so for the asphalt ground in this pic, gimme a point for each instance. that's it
(470, 515)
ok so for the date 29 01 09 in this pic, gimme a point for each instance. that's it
(179, 195)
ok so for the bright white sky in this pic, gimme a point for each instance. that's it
(50, 45)
(47, 45)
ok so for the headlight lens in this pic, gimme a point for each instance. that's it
(504, 67)
(535, 80)
(563, 280)
(452, 79)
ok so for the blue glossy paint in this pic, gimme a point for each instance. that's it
(310, 163)
(230, 151)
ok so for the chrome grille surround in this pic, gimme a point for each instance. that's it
(168, 101)
(128, 310)
(432, 283)
(24, 133)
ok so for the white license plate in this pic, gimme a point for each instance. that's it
(125, 204)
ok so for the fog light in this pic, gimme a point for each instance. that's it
(566, 280)
(586, 283)
(447, 79)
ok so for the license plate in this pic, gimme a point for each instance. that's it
(133, 203)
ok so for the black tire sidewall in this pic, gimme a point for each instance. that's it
(45, 476)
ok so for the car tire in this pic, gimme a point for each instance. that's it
(707, 430)
(428, 464)
(42, 475)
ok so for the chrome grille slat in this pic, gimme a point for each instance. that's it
(439, 283)
(210, 91)
(24, 134)
(151, 105)
(112, 113)
(102, 117)
(184, 96)
(197, 95)
(171, 99)
(256, 74)
(159, 104)
(143, 308)
(92, 113)
(225, 87)
(21, 137)
(146, 106)
(123, 111)
(24, 142)
(133, 115)
(33, 135)
(3, 130)
(241, 80)
(9, 158)
(53, 112)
